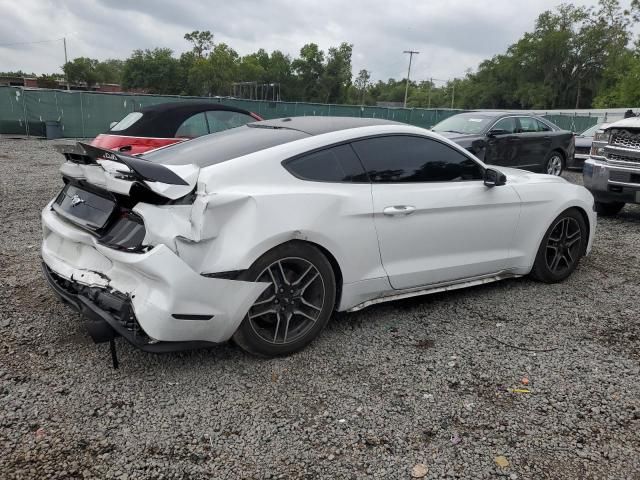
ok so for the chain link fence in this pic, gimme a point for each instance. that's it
(86, 114)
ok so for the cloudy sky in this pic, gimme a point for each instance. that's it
(451, 35)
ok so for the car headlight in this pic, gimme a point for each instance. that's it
(601, 136)
(596, 150)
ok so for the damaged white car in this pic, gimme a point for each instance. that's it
(259, 233)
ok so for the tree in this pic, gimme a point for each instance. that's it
(81, 70)
(202, 42)
(309, 68)
(362, 83)
(251, 69)
(49, 81)
(155, 71)
(336, 77)
(110, 71)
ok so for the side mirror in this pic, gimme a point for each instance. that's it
(112, 124)
(494, 178)
(496, 131)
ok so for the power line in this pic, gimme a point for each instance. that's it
(29, 43)
(62, 39)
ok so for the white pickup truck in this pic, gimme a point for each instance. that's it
(612, 172)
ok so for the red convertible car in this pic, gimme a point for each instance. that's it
(168, 123)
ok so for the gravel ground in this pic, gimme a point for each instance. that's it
(422, 381)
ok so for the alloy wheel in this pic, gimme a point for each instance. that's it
(291, 305)
(554, 165)
(563, 245)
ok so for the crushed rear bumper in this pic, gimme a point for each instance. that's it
(150, 298)
(108, 315)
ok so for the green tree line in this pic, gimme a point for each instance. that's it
(575, 57)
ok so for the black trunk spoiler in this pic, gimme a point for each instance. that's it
(141, 169)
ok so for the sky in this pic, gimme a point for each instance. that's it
(452, 36)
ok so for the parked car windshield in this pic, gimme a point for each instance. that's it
(591, 131)
(470, 123)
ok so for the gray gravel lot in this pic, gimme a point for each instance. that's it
(422, 381)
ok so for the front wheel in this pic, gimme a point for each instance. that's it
(296, 305)
(555, 164)
(608, 209)
(562, 246)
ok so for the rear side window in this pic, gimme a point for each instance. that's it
(220, 120)
(126, 122)
(335, 164)
(192, 127)
(397, 159)
(528, 125)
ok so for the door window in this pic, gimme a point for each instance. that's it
(336, 164)
(507, 124)
(542, 127)
(192, 127)
(398, 159)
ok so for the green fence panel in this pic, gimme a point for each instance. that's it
(573, 122)
(86, 114)
(12, 112)
(375, 112)
(69, 106)
(41, 106)
(98, 111)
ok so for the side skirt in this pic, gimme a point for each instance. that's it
(439, 287)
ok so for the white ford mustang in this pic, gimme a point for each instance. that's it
(259, 233)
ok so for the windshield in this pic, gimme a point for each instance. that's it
(126, 122)
(591, 131)
(464, 123)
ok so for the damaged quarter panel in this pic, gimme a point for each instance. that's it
(250, 205)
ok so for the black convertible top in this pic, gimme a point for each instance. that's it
(163, 120)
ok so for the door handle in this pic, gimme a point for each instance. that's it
(399, 210)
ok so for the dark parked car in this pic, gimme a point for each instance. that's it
(160, 125)
(584, 142)
(511, 140)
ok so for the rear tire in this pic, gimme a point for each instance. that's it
(554, 164)
(562, 246)
(609, 209)
(294, 309)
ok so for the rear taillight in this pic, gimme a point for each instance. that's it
(126, 233)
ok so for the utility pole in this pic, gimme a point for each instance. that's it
(406, 90)
(453, 93)
(64, 42)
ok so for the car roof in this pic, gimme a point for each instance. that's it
(164, 119)
(313, 125)
(236, 142)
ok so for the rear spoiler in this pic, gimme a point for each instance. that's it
(143, 170)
